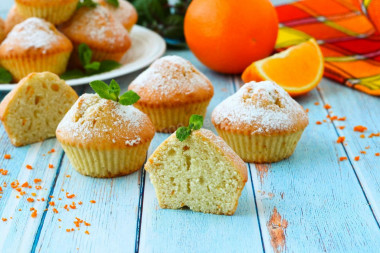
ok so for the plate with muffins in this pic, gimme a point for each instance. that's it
(39, 38)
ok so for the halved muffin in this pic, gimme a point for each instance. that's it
(172, 90)
(97, 28)
(125, 13)
(32, 110)
(54, 11)
(35, 45)
(261, 122)
(103, 138)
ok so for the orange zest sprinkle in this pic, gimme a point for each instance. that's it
(342, 118)
(86, 224)
(73, 206)
(360, 129)
(1, 189)
(7, 156)
(80, 203)
(340, 139)
(14, 184)
(30, 200)
(59, 220)
(92, 201)
(357, 158)
(363, 152)
(34, 194)
(316, 103)
(34, 214)
(38, 187)
(51, 166)
(29, 167)
(307, 110)
(69, 196)
(37, 180)
(26, 184)
(318, 123)
(341, 127)
(367, 147)
(343, 158)
(327, 106)
(51, 151)
(55, 210)
(68, 176)
(334, 118)
(377, 154)
(65, 207)
(362, 136)
(373, 135)
(4, 219)
(86, 232)
(68, 230)
(52, 203)
(3, 172)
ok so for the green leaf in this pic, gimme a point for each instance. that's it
(129, 98)
(195, 122)
(114, 88)
(92, 67)
(72, 74)
(5, 76)
(86, 3)
(182, 133)
(113, 2)
(108, 65)
(102, 89)
(85, 54)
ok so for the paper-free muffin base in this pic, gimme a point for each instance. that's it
(21, 66)
(261, 148)
(106, 163)
(54, 13)
(168, 119)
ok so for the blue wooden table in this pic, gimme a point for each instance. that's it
(311, 202)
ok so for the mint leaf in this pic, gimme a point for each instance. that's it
(129, 98)
(85, 54)
(73, 74)
(5, 76)
(86, 3)
(114, 88)
(113, 2)
(92, 67)
(182, 133)
(195, 122)
(102, 89)
(108, 65)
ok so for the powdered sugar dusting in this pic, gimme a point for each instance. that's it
(92, 116)
(264, 106)
(32, 33)
(171, 75)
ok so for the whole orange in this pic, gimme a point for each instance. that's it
(228, 35)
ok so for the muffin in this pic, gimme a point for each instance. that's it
(171, 90)
(14, 17)
(54, 11)
(35, 45)
(261, 122)
(97, 28)
(126, 13)
(103, 138)
(32, 110)
(202, 172)
(2, 30)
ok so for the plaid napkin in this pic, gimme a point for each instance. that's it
(343, 29)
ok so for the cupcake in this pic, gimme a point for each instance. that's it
(261, 122)
(103, 138)
(171, 90)
(54, 11)
(35, 45)
(14, 17)
(2, 30)
(125, 13)
(97, 28)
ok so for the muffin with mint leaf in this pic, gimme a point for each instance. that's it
(103, 135)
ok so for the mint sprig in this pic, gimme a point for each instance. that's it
(86, 3)
(5, 76)
(90, 67)
(113, 2)
(195, 123)
(112, 92)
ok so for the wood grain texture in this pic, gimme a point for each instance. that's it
(359, 109)
(165, 230)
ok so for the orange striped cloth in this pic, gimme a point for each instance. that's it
(346, 32)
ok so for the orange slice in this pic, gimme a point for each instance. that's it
(298, 69)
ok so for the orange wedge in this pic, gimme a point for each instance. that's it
(298, 69)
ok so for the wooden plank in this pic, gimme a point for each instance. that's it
(311, 200)
(164, 230)
(359, 109)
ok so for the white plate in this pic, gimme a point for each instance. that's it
(147, 46)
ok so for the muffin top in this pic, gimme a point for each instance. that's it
(97, 28)
(34, 36)
(171, 81)
(126, 14)
(260, 108)
(94, 121)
